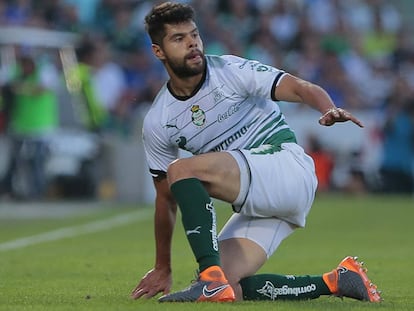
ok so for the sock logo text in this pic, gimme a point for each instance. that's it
(269, 290)
(210, 207)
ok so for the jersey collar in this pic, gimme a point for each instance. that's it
(196, 89)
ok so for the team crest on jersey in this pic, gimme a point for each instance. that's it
(198, 116)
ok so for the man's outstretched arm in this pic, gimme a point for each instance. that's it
(294, 89)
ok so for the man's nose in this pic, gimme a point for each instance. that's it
(192, 42)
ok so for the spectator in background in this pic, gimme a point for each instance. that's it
(324, 162)
(85, 10)
(94, 115)
(33, 114)
(378, 22)
(398, 142)
(334, 79)
(122, 35)
(237, 20)
(18, 12)
(6, 97)
(306, 62)
(323, 15)
(360, 14)
(357, 181)
(143, 78)
(285, 23)
(403, 57)
(60, 16)
(261, 45)
(109, 87)
(104, 19)
(104, 90)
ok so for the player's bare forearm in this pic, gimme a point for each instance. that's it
(159, 278)
(164, 221)
(293, 89)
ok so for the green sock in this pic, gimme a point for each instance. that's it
(279, 287)
(199, 220)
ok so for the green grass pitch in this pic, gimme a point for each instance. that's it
(65, 256)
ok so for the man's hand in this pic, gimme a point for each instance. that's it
(338, 115)
(153, 282)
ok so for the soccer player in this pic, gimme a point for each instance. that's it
(223, 109)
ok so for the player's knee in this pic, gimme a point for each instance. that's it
(177, 170)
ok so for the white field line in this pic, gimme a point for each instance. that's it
(69, 232)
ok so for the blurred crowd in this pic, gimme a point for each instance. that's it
(360, 51)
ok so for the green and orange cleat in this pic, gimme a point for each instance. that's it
(211, 285)
(350, 280)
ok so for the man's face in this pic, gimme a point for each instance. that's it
(182, 50)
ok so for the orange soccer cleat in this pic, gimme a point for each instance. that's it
(349, 279)
(211, 285)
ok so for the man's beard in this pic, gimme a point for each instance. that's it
(182, 70)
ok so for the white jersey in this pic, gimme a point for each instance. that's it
(232, 108)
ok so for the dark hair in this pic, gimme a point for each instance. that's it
(166, 13)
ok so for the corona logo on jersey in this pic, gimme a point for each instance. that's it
(198, 115)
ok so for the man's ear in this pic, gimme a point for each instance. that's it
(158, 52)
